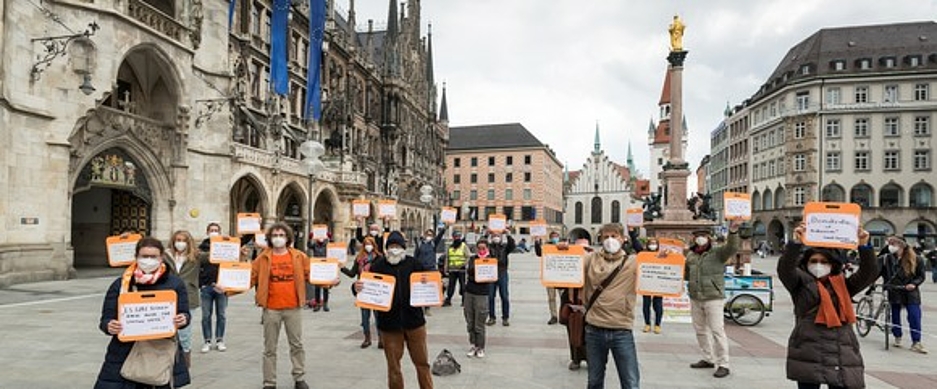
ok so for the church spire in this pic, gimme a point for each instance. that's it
(430, 77)
(444, 107)
(391, 61)
(630, 162)
(598, 143)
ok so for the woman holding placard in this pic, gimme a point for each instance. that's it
(363, 262)
(475, 305)
(183, 256)
(823, 348)
(904, 272)
(318, 248)
(147, 273)
(656, 301)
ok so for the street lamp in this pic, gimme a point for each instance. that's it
(311, 151)
(427, 198)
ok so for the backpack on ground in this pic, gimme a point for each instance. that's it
(445, 364)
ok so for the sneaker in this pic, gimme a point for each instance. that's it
(505, 322)
(574, 365)
(918, 348)
(897, 342)
(325, 307)
(480, 353)
(647, 328)
(657, 329)
(491, 321)
(702, 364)
(471, 352)
(301, 385)
(206, 347)
(721, 372)
(552, 321)
(447, 303)
(221, 346)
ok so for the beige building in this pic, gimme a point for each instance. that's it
(848, 116)
(503, 169)
(182, 129)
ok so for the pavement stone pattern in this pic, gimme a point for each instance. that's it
(49, 339)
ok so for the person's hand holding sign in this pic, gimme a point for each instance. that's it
(359, 285)
(800, 231)
(114, 327)
(180, 320)
(734, 225)
(864, 237)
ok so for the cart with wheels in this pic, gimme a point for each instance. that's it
(748, 298)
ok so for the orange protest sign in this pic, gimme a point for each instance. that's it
(671, 245)
(738, 206)
(377, 292)
(538, 228)
(660, 276)
(249, 223)
(634, 217)
(224, 249)
(320, 231)
(146, 315)
(497, 222)
(832, 225)
(234, 276)
(562, 268)
(338, 251)
(323, 271)
(448, 215)
(122, 251)
(426, 289)
(361, 208)
(387, 208)
(486, 270)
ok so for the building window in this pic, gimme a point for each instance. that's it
(833, 96)
(865, 64)
(921, 159)
(772, 169)
(891, 160)
(527, 160)
(474, 161)
(862, 94)
(255, 19)
(800, 196)
(921, 92)
(473, 213)
(890, 196)
(509, 194)
(861, 194)
(889, 62)
(805, 70)
(473, 195)
(509, 177)
(862, 127)
(839, 65)
(800, 162)
(891, 94)
(491, 178)
(491, 194)
(473, 178)
(800, 130)
(491, 161)
(457, 162)
(509, 212)
(862, 160)
(891, 126)
(922, 125)
(616, 212)
(457, 179)
(833, 161)
(527, 194)
(914, 60)
(660, 161)
(578, 212)
(526, 176)
(596, 210)
(832, 128)
(490, 211)
(457, 194)
(528, 213)
(509, 160)
(921, 196)
(803, 101)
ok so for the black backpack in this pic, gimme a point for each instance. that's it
(445, 364)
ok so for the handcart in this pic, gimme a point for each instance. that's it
(748, 298)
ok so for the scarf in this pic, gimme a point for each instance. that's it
(827, 313)
(483, 254)
(139, 277)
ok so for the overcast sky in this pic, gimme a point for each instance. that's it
(558, 66)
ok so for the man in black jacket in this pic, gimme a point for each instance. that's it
(214, 300)
(374, 231)
(403, 325)
(501, 247)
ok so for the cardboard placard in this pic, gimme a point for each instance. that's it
(677, 309)
(671, 245)
(361, 208)
(448, 215)
(738, 206)
(634, 217)
(338, 251)
(387, 208)
(377, 292)
(260, 240)
(562, 268)
(323, 271)
(497, 222)
(122, 251)
(832, 225)
(538, 228)
(320, 231)
(660, 276)
(249, 223)
(146, 315)
(426, 289)
(224, 249)
(234, 276)
(486, 270)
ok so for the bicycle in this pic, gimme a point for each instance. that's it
(879, 317)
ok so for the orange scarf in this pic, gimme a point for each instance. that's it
(827, 313)
(139, 276)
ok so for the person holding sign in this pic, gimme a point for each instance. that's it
(403, 325)
(551, 292)
(705, 269)
(904, 273)
(456, 257)
(280, 276)
(374, 231)
(214, 299)
(318, 248)
(823, 349)
(425, 251)
(656, 301)
(183, 260)
(475, 304)
(363, 262)
(148, 273)
(501, 248)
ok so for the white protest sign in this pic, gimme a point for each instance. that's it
(497, 223)
(448, 215)
(323, 271)
(660, 276)
(146, 315)
(562, 268)
(338, 251)
(224, 249)
(361, 208)
(377, 292)
(832, 225)
(234, 277)
(538, 229)
(738, 206)
(634, 217)
(426, 289)
(486, 270)
(249, 223)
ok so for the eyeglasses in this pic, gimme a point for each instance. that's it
(278, 236)
(149, 257)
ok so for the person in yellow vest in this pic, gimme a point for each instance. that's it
(456, 257)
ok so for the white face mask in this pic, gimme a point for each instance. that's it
(701, 240)
(373, 232)
(496, 240)
(652, 247)
(368, 248)
(893, 248)
(394, 255)
(428, 238)
(180, 246)
(148, 264)
(819, 270)
(611, 245)
(278, 242)
(214, 234)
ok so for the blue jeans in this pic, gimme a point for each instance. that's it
(501, 287)
(599, 342)
(914, 321)
(658, 303)
(366, 321)
(212, 301)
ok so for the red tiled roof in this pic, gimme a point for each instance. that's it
(665, 93)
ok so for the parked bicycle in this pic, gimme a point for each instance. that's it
(874, 310)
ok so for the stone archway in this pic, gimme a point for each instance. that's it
(247, 196)
(325, 208)
(291, 209)
(776, 233)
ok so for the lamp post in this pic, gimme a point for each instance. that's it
(311, 151)
(427, 198)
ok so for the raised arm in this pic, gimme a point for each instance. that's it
(726, 251)
(438, 238)
(511, 246)
(788, 272)
(538, 248)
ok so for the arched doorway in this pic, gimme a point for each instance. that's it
(323, 210)
(247, 196)
(291, 210)
(879, 229)
(919, 232)
(111, 196)
(776, 233)
(579, 233)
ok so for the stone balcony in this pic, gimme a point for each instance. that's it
(159, 21)
(270, 160)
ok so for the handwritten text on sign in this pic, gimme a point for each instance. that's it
(146, 319)
(249, 223)
(425, 289)
(562, 268)
(832, 228)
(361, 209)
(486, 270)
(234, 277)
(738, 206)
(538, 229)
(122, 254)
(497, 223)
(323, 272)
(222, 250)
(376, 293)
(634, 217)
(660, 276)
(388, 209)
(448, 215)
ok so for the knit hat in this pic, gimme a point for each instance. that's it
(397, 238)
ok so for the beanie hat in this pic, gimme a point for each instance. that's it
(396, 238)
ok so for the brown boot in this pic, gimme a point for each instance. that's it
(188, 359)
(367, 340)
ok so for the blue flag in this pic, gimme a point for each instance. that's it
(313, 84)
(231, 8)
(279, 73)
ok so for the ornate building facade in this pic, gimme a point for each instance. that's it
(182, 129)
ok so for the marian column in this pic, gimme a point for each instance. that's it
(676, 170)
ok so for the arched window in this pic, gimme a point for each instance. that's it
(780, 198)
(165, 6)
(768, 200)
(890, 196)
(596, 210)
(834, 193)
(616, 212)
(861, 194)
(579, 212)
(879, 229)
(922, 196)
(756, 201)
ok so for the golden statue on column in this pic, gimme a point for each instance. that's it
(676, 34)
